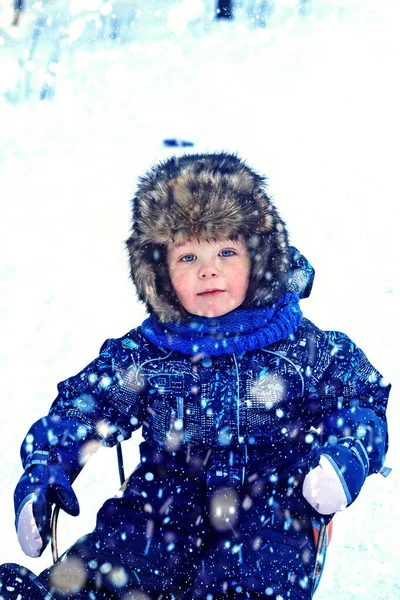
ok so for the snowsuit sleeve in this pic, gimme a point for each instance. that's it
(103, 403)
(352, 397)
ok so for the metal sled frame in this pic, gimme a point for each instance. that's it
(56, 511)
(322, 532)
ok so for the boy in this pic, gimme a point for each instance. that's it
(255, 422)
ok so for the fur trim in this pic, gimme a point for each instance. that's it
(204, 197)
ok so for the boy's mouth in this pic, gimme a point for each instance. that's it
(210, 292)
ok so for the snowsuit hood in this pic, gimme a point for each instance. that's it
(204, 197)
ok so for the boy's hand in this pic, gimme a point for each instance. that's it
(337, 474)
(39, 488)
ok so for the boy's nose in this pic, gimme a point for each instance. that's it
(207, 271)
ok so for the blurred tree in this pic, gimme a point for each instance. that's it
(259, 11)
(18, 6)
(224, 9)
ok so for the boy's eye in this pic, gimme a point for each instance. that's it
(227, 252)
(188, 258)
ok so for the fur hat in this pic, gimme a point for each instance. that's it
(204, 197)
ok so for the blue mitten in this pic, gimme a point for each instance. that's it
(41, 486)
(336, 476)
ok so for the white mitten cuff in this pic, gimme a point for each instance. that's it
(27, 531)
(323, 489)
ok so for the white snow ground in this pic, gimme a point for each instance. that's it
(313, 102)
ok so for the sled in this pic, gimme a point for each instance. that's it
(322, 537)
(56, 511)
(322, 532)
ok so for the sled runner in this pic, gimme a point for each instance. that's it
(322, 537)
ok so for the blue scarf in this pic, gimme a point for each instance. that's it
(237, 331)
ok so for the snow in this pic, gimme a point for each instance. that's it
(311, 101)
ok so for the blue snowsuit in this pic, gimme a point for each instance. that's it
(235, 411)
(215, 508)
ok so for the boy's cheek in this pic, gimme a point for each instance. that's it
(182, 291)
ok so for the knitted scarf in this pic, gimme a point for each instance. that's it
(237, 331)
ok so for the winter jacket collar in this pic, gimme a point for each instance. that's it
(238, 331)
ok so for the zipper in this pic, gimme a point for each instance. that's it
(237, 399)
(180, 408)
(238, 419)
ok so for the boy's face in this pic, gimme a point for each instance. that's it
(209, 278)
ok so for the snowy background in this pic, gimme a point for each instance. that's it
(311, 100)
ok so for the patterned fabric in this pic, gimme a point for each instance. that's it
(238, 331)
(237, 432)
(240, 403)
